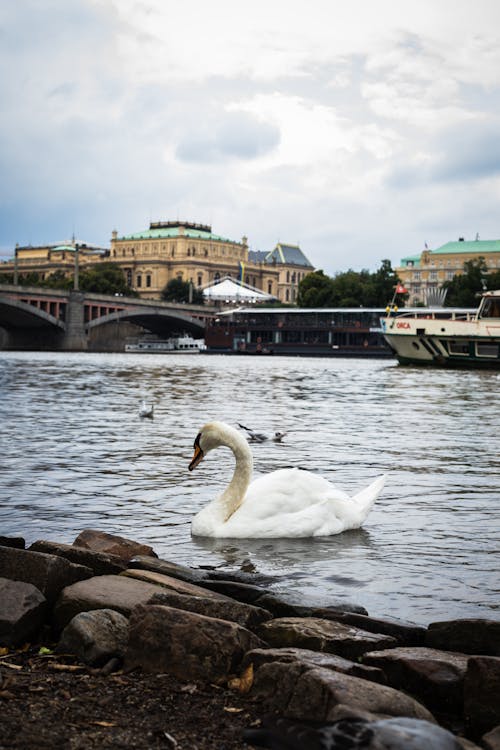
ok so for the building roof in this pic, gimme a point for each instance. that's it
(288, 254)
(169, 229)
(227, 289)
(469, 246)
(257, 256)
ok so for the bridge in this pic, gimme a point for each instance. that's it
(40, 318)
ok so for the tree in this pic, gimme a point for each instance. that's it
(104, 278)
(315, 290)
(463, 289)
(350, 288)
(178, 290)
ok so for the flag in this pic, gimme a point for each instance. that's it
(242, 271)
(401, 290)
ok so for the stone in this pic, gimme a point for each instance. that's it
(157, 565)
(322, 635)
(482, 694)
(299, 692)
(245, 615)
(243, 592)
(22, 612)
(175, 584)
(491, 740)
(111, 544)
(99, 562)
(185, 644)
(95, 637)
(398, 733)
(49, 573)
(433, 676)
(470, 636)
(101, 592)
(406, 633)
(298, 605)
(12, 541)
(259, 656)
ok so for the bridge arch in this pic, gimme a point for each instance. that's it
(15, 314)
(156, 320)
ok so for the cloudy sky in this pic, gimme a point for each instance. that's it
(360, 129)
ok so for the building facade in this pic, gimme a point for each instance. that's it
(424, 274)
(174, 250)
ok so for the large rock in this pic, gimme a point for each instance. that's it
(399, 733)
(95, 637)
(111, 544)
(101, 592)
(175, 584)
(323, 635)
(491, 740)
(470, 636)
(187, 645)
(49, 573)
(243, 592)
(12, 541)
(22, 611)
(299, 605)
(260, 656)
(482, 694)
(100, 563)
(245, 615)
(406, 633)
(299, 692)
(433, 676)
(165, 567)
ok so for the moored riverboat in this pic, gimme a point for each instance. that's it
(312, 332)
(447, 337)
(174, 345)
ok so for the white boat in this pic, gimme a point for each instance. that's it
(447, 338)
(174, 345)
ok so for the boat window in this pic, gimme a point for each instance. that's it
(459, 347)
(491, 308)
(486, 349)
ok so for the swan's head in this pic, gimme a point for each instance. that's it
(213, 435)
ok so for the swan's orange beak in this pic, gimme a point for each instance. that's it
(198, 454)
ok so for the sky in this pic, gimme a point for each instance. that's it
(359, 129)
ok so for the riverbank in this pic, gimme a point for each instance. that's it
(103, 644)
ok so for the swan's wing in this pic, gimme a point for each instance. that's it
(365, 499)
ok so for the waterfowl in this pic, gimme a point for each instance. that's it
(146, 410)
(261, 437)
(284, 503)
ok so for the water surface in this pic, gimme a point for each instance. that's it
(75, 455)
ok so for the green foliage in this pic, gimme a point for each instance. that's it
(105, 278)
(464, 289)
(350, 288)
(178, 290)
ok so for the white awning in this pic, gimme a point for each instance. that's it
(227, 289)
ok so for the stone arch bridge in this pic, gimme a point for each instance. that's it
(39, 318)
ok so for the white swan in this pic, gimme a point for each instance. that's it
(146, 410)
(285, 503)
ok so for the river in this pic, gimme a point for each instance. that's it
(76, 455)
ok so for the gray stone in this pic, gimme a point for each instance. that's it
(470, 636)
(406, 633)
(243, 592)
(322, 635)
(95, 637)
(299, 692)
(491, 740)
(482, 694)
(22, 611)
(111, 544)
(245, 615)
(157, 565)
(99, 562)
(188, 645)
(101, 592)
(433, 676)
(12, 541)
(49, 573)
(175, 584)
(295, 605)
(261, 656)
(398, 733)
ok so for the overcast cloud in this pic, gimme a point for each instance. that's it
(359, 129)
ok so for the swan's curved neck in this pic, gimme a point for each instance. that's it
(233, 495)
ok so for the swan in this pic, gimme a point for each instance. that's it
(284, 503)
(146, 410)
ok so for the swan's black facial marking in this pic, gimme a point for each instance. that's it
(198, 453)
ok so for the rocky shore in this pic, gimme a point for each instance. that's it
(103, 644)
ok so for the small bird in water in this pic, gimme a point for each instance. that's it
(261, 437)
(147, 410)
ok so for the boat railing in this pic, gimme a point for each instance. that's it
(465, 315)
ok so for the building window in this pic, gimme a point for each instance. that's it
(128, 275)
(148, 279)
(216, 276)
(138, 281)
(433, 276)
(288, 277)
(269, 287)
(200, 279)
(416, 276)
